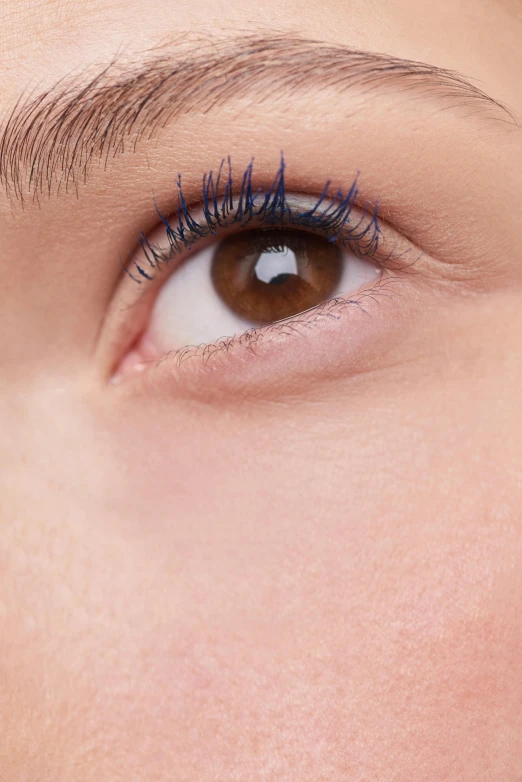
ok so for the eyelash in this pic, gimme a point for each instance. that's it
(266, 206)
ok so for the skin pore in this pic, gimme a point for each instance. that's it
(301, 561)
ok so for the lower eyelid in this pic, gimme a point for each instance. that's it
(261, 354)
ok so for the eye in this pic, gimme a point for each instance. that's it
(250, 279)
(248, 266)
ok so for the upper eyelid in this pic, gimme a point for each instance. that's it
(223, 205)
(62, 130)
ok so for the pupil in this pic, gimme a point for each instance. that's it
(276, 262)
(280, 279)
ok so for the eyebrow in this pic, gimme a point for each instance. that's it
(49, 141)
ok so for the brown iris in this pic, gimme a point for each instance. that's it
(268, 275)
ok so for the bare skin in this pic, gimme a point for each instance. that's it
(301, 562)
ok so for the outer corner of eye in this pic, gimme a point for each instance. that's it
(248, 280)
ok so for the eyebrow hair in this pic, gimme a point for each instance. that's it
(50, 140)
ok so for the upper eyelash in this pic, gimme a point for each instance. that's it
(267, 205)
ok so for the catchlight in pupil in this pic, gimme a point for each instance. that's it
(269, 275)
(275, 266)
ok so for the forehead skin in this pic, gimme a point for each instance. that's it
(320, 587)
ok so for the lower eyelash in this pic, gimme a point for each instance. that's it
(266, 206)
(296, 325)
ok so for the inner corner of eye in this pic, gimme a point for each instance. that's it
(248, 279)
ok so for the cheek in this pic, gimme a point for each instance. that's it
(336, 579)
(348, 580)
